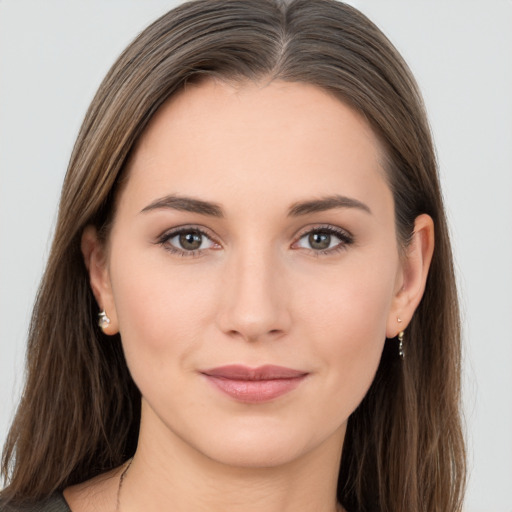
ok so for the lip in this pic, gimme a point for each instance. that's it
(254, 385)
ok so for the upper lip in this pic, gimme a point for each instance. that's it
(266, 372)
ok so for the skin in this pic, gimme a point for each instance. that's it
(256, 292)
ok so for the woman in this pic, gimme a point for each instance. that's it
(249, 302)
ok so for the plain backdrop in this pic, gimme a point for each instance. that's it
(53, 55)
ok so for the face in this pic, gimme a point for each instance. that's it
(252, 270)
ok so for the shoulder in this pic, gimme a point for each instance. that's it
(55, 503)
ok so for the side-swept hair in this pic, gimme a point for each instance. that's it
(80, 411)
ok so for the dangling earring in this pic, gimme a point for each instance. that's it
(103, 320)
(401, 352)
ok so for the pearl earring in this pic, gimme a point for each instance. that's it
(103, 320)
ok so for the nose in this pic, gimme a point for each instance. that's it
(255, 303)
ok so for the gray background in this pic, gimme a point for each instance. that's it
(53, 55)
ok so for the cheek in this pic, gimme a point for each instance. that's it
(347, 316)
(353, 300)
(162, 310)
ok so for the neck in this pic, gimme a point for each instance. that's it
(167, 473)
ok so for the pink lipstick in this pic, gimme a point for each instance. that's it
(254, 385)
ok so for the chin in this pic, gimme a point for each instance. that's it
(256, 443)
(256, 453)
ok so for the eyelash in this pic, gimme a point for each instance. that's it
(163, 240)
(344, 236)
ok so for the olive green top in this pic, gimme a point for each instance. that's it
(55, 503)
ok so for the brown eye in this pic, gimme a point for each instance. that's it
(319, 240)
(190, 241)
(187, 242)
(324, 240)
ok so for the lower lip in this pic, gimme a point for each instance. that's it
(255, 391)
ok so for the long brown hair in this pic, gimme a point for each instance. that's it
(80, 411)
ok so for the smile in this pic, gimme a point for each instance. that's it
(254, 385)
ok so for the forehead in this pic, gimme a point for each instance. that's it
(279, 139)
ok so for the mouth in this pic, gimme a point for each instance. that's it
(254, 385)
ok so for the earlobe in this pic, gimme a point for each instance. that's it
(95, 259)
(414, 273)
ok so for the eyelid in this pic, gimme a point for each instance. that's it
(168, 234)
(343, 234)
(346, 238)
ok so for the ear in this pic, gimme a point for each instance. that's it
(412, 277)
(96, 262)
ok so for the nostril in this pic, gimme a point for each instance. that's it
(255, 334)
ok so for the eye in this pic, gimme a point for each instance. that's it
(324, 239)
(187, 241)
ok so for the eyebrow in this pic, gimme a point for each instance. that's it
(186, 204)
(326, 203)
(189, 204)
